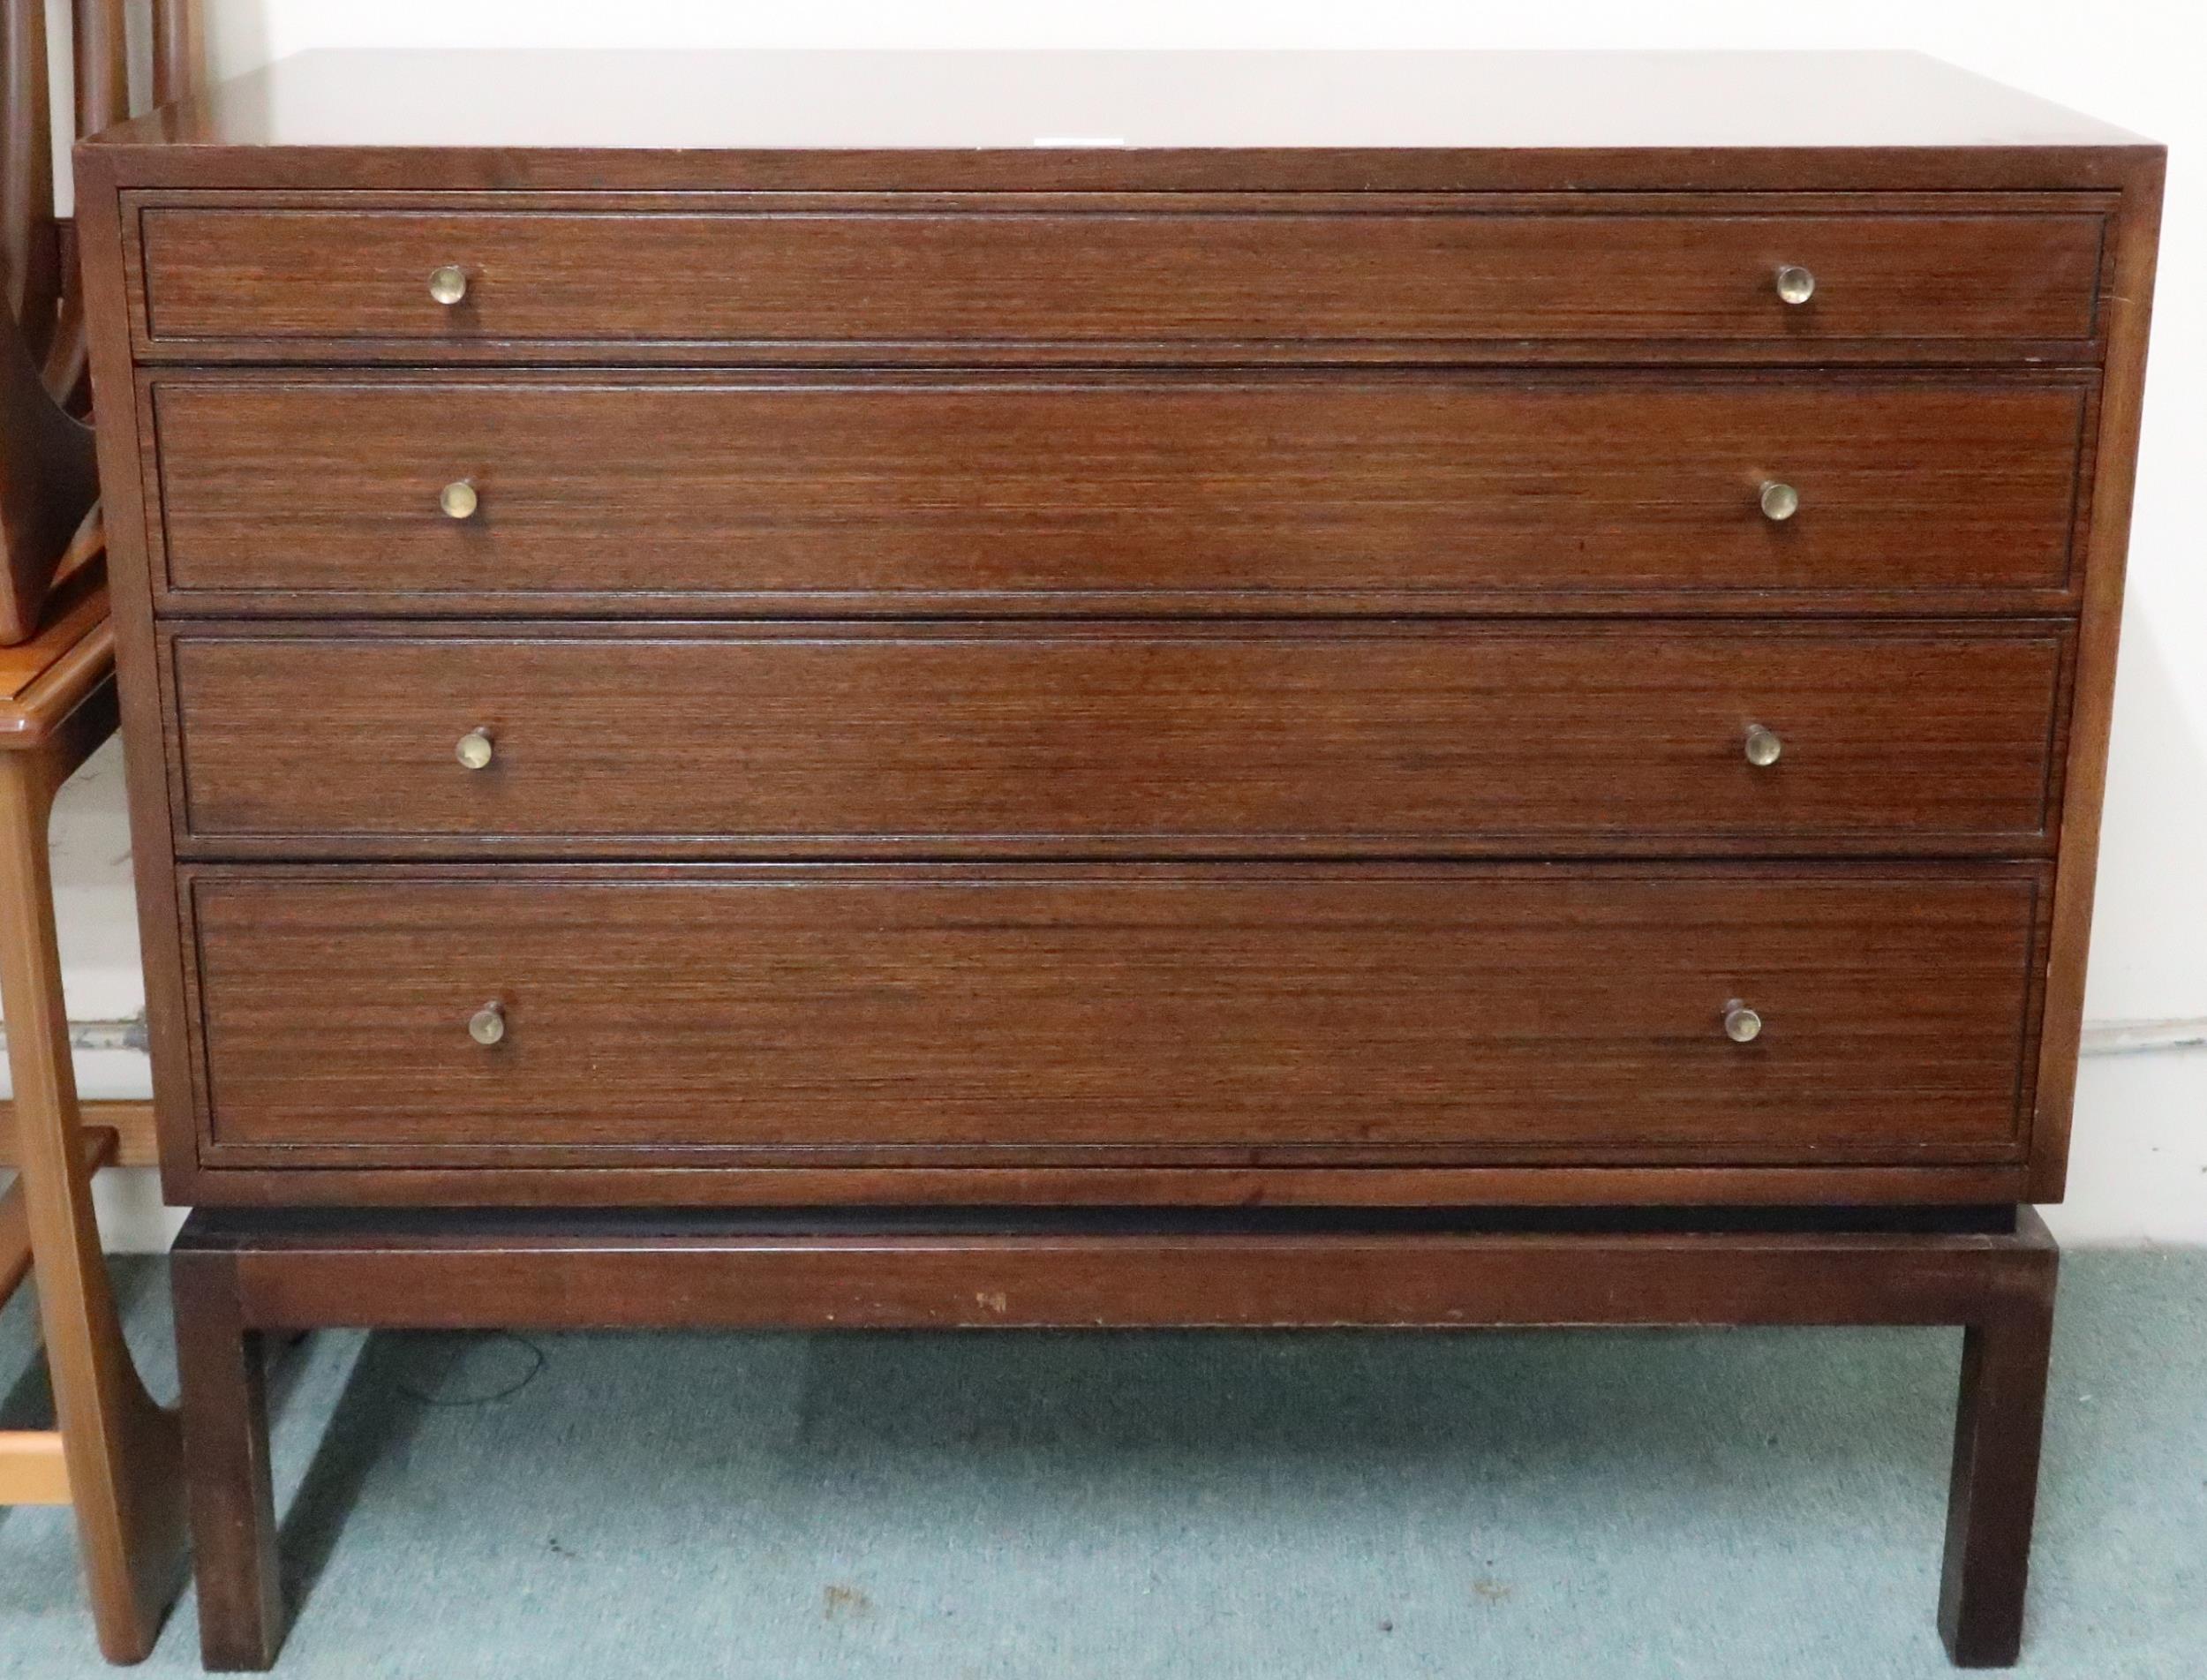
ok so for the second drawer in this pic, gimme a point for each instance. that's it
(1119, 739)
(669, 494)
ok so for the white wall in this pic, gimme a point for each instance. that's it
(2140, 1165)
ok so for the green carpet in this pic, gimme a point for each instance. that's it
(1754, 1504)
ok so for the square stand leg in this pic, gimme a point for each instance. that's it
(239, 1275)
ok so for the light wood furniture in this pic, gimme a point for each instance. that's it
(114, 1455)
(131, 1122)
(1383, 640)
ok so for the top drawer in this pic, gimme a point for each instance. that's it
(1170, 276)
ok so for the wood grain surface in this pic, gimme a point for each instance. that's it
(1001, 268)
(1156, 740)
(865, 492)
(1136, 1012)
(1442, 394)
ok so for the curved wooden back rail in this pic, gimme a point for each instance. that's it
(113, 1456)
(48, 484)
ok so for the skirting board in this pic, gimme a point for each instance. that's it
(133, 1124)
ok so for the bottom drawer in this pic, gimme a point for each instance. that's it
(1077, 1015)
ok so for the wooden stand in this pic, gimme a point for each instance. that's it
(114, 1455)
(238, 1275)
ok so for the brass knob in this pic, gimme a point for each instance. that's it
(1796, 284)
(1742, 1025)
(1763, 746)
(458, 500)
(449, 283)
(474, 750)
(1780, 501)
(487, 1025)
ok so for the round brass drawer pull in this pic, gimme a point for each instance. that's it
(487, 1025)
(1763, 746)
(449, 283)
(1796, 284)
(1780, 501)
(1742, 1025)
(458, 500)
(474, 750)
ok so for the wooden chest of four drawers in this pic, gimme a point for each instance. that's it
(1466, 645)
(1068, 683)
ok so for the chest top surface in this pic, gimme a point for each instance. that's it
(1032, 106)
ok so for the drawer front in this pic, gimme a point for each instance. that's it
(1115, 271)
(1453, 489)
(1271, 737)
(1080, 1015)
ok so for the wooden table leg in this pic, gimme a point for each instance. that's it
(1995, 1487)
(226, 1440)
(121, 1449)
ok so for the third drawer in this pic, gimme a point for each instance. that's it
(1119, 739)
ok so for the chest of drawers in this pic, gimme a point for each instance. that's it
(1422, 634)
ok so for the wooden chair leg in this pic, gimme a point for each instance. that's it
(1994, 1491)
(226, 1432)
(122, 1451)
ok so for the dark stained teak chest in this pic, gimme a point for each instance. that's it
(1117, 689)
